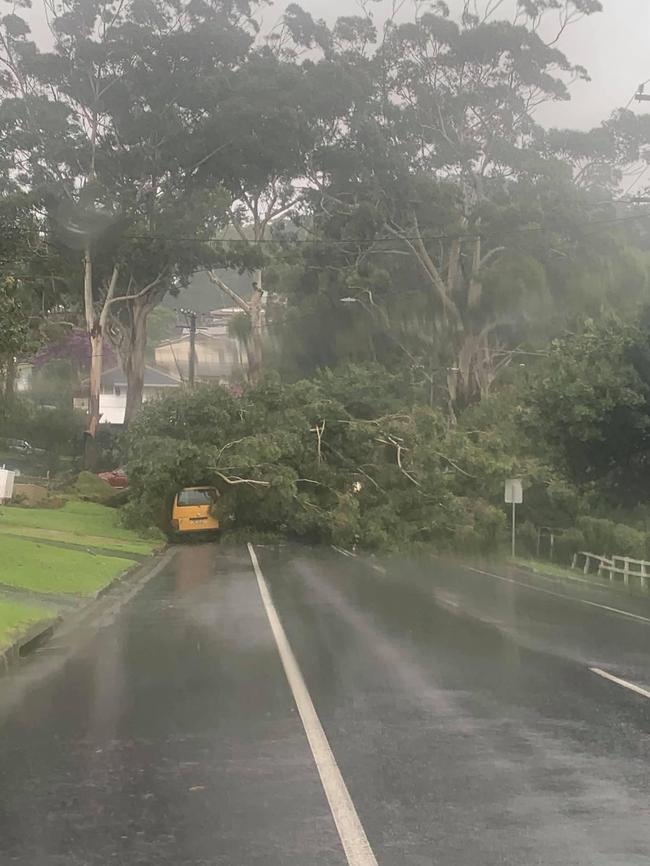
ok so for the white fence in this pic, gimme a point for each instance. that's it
(615, 567)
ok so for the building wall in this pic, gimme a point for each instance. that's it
(112, 406)
(216, 358)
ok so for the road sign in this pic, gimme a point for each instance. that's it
(514, 491)
(514, 496)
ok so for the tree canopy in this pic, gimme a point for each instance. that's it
(427, 277)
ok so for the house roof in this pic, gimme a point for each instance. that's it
(200, 336)
(153, 378)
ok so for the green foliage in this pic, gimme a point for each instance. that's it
(90, 488)
(239, 327)
(527, 534)
(326, 460)
(56, 431)
(568, 543)
(161, 325)
(450, 218)
(588, 405)
(612, 539)
(14, 324)
(53, 383)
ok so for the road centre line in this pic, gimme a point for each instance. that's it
(635, 616)
(353, 837)
(626, 685)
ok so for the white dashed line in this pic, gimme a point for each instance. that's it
(619, 682)
(353, 837)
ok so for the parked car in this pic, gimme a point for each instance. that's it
(192, 513)
(116, 478)
(20, 446)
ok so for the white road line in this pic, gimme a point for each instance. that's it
(353, 837)
(626, 685)
(635, 616)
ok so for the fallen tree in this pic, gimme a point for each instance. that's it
(336, 459)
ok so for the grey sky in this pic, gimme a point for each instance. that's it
(613, 45)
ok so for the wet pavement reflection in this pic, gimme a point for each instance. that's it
(169, 738)
(461, 711)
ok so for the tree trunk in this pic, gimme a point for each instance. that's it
(256, 314)
(96, 338)
(475, 284)
(95, 384)
(453, 267)
(133, 357)
(94, 389)
(10, 378)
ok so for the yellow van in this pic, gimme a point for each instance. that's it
(192, 512)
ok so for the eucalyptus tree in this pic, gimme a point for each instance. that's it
(97, 129)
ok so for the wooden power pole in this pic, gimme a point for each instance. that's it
(192, 365)
(190, 321)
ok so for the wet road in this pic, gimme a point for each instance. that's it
(459, 705)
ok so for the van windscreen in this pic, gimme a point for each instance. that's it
(195, 497)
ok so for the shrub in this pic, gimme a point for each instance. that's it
(527, 539)
(90, 488)
(567, 543)
(481, 529)
(614, 539)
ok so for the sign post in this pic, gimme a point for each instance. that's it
(514, 495)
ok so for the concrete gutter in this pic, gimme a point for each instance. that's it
(28, 640)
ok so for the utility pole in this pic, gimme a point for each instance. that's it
(190, 318)
(192, 366)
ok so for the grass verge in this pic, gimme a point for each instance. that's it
(16, 618)
(26, 564)
(549, 568)
(78, 523)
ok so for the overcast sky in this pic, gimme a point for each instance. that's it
(613, 45)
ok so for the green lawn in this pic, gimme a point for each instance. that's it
(16, 618)
(77, 522)
(26, 564)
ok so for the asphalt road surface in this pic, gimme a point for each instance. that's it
(327, 711)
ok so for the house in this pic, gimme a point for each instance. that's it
(219, 357)
(112, 398)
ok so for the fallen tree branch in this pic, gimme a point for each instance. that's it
(371, 479)
(231, 293)
(319, 429)
(236, 480)
(230, 445)
(451, 463)
(395, 442)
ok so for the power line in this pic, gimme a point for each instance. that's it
(351, 242)
(336, 243)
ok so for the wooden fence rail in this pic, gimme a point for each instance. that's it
(615, 566)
